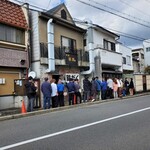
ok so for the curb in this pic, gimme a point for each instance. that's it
(41, 111)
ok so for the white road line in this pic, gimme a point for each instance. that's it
(72, 129)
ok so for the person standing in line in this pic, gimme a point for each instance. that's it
(60, 88)
(98, 88)
(47, 91)
(104, 89)
(71, 91)
(115, 88)
(126, 85)
(77, 90)
(93, 89)
(31, 93)
(86, 89)
(110, 87)
(131, 86)
(54, 94)
(120, 86)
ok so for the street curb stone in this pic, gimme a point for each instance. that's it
(41, 111)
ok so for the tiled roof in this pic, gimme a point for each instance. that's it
(12, 14)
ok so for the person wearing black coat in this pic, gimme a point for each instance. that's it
(86, 89)
(31, 93)
(131, 86)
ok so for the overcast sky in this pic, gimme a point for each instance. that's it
(125, 17)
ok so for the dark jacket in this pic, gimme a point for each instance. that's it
(93, 85)
(30, 89)
(86, 85)
(46, 89)
(126, 83)
(71, 87)
(77, 87)
(104, 85)
(131, 85)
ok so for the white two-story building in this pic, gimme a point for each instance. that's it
(101, 44)
(127, 63)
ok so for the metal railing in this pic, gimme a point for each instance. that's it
(78, 55)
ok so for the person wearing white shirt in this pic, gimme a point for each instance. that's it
(120, 85)
(110, 87)
(54, 94)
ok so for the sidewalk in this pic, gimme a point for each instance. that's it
(15, 113)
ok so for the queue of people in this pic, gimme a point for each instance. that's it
(107, 88)
(53, 94)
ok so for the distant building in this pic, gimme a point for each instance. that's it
(146, 45)
(127, 64)
(138, 60)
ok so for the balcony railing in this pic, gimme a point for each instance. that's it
(71, 58)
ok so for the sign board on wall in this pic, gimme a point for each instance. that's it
(71, 75)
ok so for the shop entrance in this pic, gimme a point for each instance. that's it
(56, 77)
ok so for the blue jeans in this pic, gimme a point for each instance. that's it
(46, 103)
(30, 104)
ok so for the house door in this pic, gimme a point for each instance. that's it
(144, 83)
(56, 77)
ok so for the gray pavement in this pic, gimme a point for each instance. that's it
(115, 125)
(15, 113)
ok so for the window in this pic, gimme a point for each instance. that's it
(69, 45)
(128, 60)
(12, 34)
(84, 42)
(63, 14)
(124, 60)
(142, 56)
(109, 45)
(105, 44)
(113, 46)
(148, 49)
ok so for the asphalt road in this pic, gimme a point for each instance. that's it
(117, 125)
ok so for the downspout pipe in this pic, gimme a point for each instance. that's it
(91, 52)
(50, 37)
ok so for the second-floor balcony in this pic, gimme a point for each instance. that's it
(73, 58)
(109, 57)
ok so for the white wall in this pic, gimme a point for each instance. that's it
(126, 51)
(108, 57)
(146, 44)
(99, 37)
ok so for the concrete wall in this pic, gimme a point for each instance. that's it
(148, 81)
(138, 82)
(7, 102)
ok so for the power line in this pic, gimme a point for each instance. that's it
(142, 12)
(48, 4)
(80, 21)
(120, 33)
(119, 11)
(113, 13)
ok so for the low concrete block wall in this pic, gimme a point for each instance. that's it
(138, 83)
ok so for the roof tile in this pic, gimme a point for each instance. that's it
(12, 14)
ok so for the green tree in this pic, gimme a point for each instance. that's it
(147, 69)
